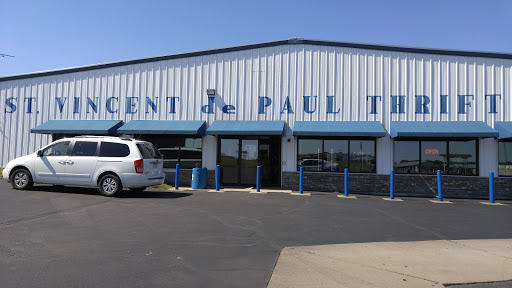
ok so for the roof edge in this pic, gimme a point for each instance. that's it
(290, 41)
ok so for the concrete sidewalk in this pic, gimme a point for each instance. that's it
(394, 264)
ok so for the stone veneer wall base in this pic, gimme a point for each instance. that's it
(411, 185)
(405, 185)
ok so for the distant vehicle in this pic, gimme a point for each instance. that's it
(189, 157)
(109, 163)
(319, 165)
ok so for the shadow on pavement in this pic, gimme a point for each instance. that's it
(95, 191)
(66, 189)
(154, 194)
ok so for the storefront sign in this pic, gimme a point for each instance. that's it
(431, 151)
(310, 105)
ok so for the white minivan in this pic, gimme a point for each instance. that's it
(109, 163)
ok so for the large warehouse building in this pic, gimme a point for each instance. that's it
(321, 105)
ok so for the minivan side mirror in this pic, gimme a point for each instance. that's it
(40, 153)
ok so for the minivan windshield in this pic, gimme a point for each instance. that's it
(148, 151)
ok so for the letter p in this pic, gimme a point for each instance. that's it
(263, 102)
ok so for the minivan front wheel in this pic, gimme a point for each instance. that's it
(21, 179)
(110, 185)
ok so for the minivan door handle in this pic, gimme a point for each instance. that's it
(62, 162)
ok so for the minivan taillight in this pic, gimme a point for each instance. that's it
(139, 166)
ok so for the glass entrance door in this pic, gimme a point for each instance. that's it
(249, 161)
(229, 160)
(269, 158)
(239, 158)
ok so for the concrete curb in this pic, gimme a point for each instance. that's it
(493, 204)
(347, 197)
(395, 200)
(440, 202)
(256, 192)
(394, 264)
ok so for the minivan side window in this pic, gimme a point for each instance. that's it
(57, 149)
(109, 149)
(83, 148)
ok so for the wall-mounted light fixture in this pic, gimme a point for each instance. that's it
(210, 92)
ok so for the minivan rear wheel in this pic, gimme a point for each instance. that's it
(21, 179)
(110, 185)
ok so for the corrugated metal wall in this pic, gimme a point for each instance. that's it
(241, 77)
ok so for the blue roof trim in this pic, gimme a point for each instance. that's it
(103, 127)
(504, 128)
(292, 41)
(339, 128)
(442, 129)
(174, 127)
(246, 128)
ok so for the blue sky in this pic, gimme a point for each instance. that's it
(53, 34)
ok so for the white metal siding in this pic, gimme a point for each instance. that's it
(276, 72)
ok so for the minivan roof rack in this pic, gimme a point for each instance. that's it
(125, 137)
(90, 136)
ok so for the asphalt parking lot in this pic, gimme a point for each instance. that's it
(73, 237)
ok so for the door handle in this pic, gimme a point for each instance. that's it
(69, 162)
(62, 162)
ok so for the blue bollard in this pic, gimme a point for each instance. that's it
(301, 180)
(258, 174)
(177, 177)
(439, 186)
(491, 187)
(346, 181)
(217, 178)
(392, 185)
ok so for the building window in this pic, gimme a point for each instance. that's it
(505, 158)
(454, 157)
(311, 154)
(407, 156)
(433, 157)
(186, 151)
(362, 156)
(334, 155)
(462, 158)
